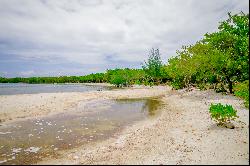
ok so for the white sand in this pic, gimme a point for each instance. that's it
(183, 134)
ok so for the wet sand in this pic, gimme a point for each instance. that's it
(30, 141)
(183, 134)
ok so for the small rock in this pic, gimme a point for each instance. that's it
(229, 125)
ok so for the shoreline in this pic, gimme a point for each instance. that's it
(43, 104)
(182, 134)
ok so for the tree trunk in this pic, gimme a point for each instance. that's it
(230, 85)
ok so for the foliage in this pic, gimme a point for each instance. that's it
(153, 66)
(219, 59)
(118, 77)
(232, 44)
(125, 77)
(242, 90)
(222, 114)
(97, 78)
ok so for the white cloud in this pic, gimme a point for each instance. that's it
(86, 31)
(27, 73)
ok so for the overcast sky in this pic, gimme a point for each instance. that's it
(78, 37)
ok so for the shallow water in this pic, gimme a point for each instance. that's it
(21, 88)
(29, 141)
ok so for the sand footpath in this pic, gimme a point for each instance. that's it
(182, 134)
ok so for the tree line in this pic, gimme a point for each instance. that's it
(119, 77)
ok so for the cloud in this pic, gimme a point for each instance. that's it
(27, 73)
(99, 33)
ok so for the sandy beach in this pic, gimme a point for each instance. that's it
(22, 106)
(182, 134)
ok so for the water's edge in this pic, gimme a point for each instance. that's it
(35, 139)
(22, 88)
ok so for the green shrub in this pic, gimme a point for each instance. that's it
(153, 66)
(242, 90)
(177, 85)
(118, 80)
(222, 114)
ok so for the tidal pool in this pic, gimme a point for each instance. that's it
(29, 141)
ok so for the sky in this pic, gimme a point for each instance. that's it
(78, 37)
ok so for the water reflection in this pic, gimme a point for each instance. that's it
(30, 141)
(149, 106)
